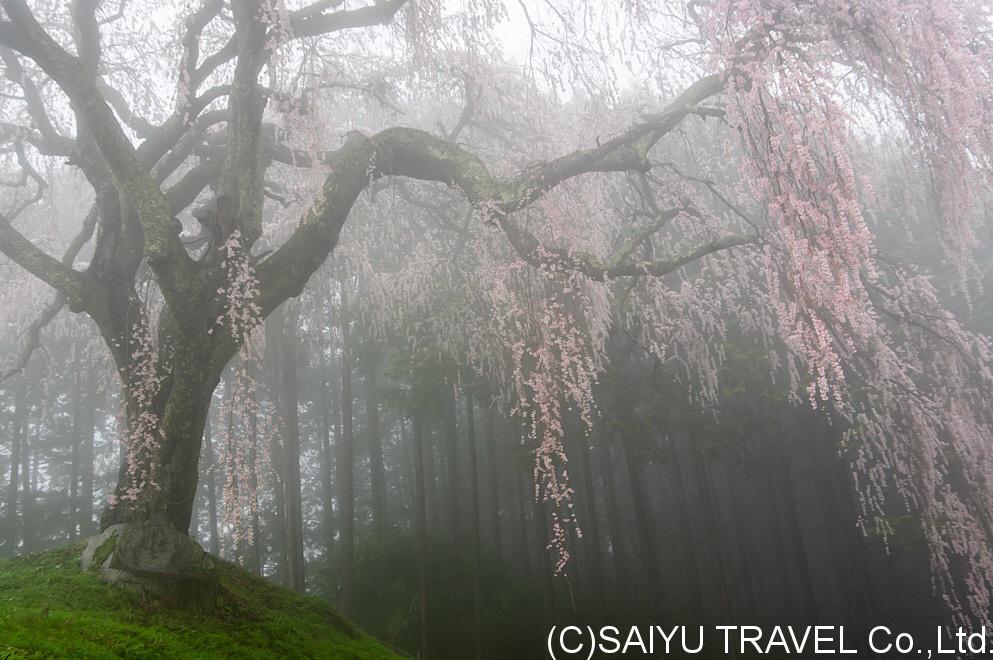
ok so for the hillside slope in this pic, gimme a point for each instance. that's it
(51, 609)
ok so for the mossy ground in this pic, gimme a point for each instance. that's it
(49, 608)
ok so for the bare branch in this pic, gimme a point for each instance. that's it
(626, 152)
(117, 15)
(28, 172)
(465, 117)
(82, 238)
(33, 341)
(711, 186)
(178, 133)
(661, 221)
(663, 267)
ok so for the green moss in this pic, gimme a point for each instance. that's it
(101, 554)
(51, 609)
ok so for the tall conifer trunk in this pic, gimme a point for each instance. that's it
(421, 532)
(87, 427)
(16, 448)
(377, 470)
(345, 466)
(291, 446)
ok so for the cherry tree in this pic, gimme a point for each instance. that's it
(226, 157)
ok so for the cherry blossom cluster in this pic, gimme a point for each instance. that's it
(141, 433)
(914, 392)
(923, 428)
(241, 314)
(243, 457)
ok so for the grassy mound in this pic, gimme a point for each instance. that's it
(51, 609)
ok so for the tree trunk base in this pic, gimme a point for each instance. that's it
(154, 559)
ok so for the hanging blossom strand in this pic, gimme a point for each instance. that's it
(141, 435)
(241, 454)
(915, 395)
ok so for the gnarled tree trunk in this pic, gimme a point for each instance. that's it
(173, 464)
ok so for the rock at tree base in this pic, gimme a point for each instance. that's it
(154, 559)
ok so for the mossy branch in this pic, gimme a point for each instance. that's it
(419, 155)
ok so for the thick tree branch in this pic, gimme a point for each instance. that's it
(87, 35)
(11, 37)
(212, 62)
(379, 13)
(625, 152)
(315, 9)
(309, 21)
(45, 267)
(176, 140)
(165, 252)
(141, 126)
(82, 238)
(195, 24)
(419, 155)
(52, 142)
(33, 340)
(243, 169)
(185, 191)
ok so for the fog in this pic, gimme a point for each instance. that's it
(479, 322)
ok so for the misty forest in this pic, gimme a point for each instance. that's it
(424, 328)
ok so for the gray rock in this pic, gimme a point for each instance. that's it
(152, 558)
